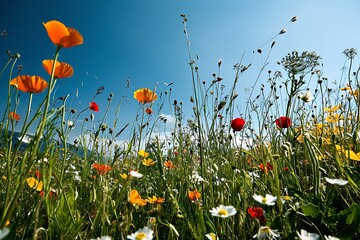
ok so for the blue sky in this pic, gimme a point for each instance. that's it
(144, 41)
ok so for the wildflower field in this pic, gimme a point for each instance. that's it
(286, 166)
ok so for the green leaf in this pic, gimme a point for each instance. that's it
(353, 214)
(310, 210)
(349, 217)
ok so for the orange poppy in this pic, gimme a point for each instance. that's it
(62, 69)
(14, 116)
(169, 164)
(145, 95)
(102, 169)
(194, 195)
(30, 84)
(135, 198)
(61, 35)
(155, 200)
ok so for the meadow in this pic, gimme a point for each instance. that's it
(287, 166)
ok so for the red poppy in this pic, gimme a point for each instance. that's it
(283, 122)
(38, 174)
(237, 124)
(94, 107)
(257, 212)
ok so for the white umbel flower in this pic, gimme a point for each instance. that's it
(223, 211)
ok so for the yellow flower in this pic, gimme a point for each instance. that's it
(334, 118)
(143, 154)
(125, 176)
(332, 109)
(338, 130)
(148, 162)
(348, 153)
(34, 183)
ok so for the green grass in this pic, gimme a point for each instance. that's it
(80, 199)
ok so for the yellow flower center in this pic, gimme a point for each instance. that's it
(223, 212)
(213, 236)
(287, 198)
(264, 200)
(265, 232)
(140, 236)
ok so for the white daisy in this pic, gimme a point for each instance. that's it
(331, 238)
(268, 199)
(306, 97)
(26, 139)
(336, 181)
(102, 238)
(71, 124)
(143, 234)
(266, 233)
(211, 236)
(4, 232)
(223, 211)
(304, 235)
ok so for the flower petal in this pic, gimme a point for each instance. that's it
(74, 39)
(57, 32)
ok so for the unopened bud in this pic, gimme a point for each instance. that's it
(282, 31)
(294, 19)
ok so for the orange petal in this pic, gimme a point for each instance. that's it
(57, 32)
(73, 39)
(14, 116)
(35, 84)
(48, 64)
(62, 69)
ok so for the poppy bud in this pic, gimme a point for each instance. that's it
(237, 124)
(149, 110)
